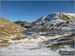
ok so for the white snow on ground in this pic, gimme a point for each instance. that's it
(37, 52)
(28, 43)
(28, 47)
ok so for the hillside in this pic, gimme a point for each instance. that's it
(8, 28)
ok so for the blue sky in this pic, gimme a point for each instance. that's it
(32, 10)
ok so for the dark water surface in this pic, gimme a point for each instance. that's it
(33, 31)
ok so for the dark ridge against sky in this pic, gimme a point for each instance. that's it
(33, 10)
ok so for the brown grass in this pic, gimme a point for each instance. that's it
(19, 37)
(8, 28)
(34, 36)
(22, 36)
(4, 43)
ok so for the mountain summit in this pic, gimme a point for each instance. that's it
(66, 17)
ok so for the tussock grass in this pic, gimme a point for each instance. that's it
(8, 28)
(4, 43)
(19, 37)
(34, 36)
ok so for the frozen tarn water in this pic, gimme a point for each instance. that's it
(39, 32)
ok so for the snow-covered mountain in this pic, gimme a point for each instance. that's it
(56, 21)
(64, 17)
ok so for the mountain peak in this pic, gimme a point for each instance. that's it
(59, 15)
